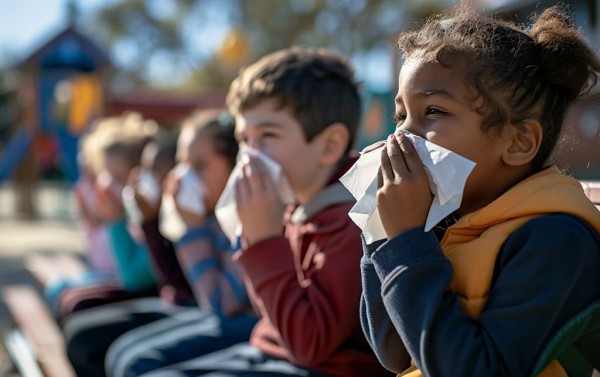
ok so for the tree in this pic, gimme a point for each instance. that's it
(192, 39)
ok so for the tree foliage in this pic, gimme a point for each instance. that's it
(188, 38)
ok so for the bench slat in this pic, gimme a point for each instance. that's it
(33, 318)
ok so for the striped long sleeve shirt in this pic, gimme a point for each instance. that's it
(205, 255)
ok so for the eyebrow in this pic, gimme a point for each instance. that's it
(429, 93)
(269, 123)
(263, 124)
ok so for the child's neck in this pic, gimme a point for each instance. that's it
(324, 178)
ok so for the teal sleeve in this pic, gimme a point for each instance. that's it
(132, 258)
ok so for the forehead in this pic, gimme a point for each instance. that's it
(425, 76)
(117, 166)
(193, 143)
(266, 113)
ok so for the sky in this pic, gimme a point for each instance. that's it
(27, 24)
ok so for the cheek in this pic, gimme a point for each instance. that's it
(214, 182)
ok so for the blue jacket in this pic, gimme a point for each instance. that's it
(543, 303)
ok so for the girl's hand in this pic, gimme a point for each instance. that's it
(403, 197)
(85, 207)
(171, 187)
(372, 147)
(258, 204)
(149, 211)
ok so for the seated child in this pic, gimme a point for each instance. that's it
(206, 152)
(508, 283)
(119, 144)
(300, 108)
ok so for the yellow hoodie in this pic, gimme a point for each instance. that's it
(473, 243)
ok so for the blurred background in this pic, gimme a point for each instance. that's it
(63, 63)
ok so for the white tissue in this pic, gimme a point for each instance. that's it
(132, 210)
(148, 188)
(447, 173)
(190, 197)
(226, 209)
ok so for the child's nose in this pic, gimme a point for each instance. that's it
(409, 125)
(252, 143)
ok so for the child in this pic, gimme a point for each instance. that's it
(99, 255)
(119, 144)
(207, 147)
(511, 287)
(143, 192)
(89, 333)
(301, 108)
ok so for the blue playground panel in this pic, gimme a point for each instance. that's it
(13, 152)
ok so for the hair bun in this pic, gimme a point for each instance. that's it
(566, 59)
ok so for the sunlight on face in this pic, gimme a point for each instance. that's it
(433, 102)
(279, 135)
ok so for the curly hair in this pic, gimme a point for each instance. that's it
(515, 73)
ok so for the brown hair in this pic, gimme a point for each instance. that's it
(218, 125)
(124, 135)
(316, 84)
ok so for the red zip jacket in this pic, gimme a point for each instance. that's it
(306, 287)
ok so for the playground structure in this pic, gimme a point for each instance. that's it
(62, 89)
(58, 94)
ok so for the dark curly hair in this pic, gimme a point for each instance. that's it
(218, 125)
(516, 73)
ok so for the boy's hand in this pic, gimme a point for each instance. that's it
(258, 204)
(403, 197)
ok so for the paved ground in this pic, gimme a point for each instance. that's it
(54, 230)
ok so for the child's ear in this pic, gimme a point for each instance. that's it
(334, 140)
(524, 141)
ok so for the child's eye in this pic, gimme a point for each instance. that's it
(268, 134)
(398, 118)
(434, 111)
(199, 166)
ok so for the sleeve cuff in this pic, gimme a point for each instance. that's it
(410, 248)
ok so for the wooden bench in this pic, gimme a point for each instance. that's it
(36, 344)
(46, 268)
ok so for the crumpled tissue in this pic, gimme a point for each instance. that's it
(226, 208)
(190, 197)
(447, 173)
(148, 188)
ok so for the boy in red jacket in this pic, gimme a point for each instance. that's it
(301, 108)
